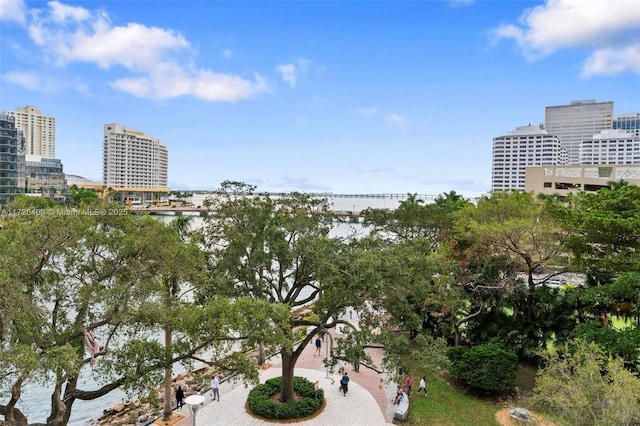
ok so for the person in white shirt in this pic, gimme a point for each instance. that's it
(422, 386)
(215, 387)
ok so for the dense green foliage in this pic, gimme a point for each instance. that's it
(108, 274)
(623, 343)
(488, 367)
(584, 386)
(260, 400)
(448, 273)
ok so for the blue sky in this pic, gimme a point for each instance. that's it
(346, 97)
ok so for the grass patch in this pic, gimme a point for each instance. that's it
(619, 323)
(448, 406)
(451, 405)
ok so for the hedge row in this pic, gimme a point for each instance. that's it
(261, 404)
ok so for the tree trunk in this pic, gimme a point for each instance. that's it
(458, 334)
(58, 408)
(14, 417)
(288, 366)
(167, 412)
(261, 356)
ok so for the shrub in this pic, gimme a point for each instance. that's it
(488, 367)
(623, 343)
(583, 385)
(261, 404)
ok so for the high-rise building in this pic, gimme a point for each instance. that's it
(628, 122)
(133, 160)
(578, 122)
(11, 160)
(611, 147)
(524, 147)
(45, 177)
(39, 131)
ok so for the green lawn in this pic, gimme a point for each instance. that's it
(446, 406)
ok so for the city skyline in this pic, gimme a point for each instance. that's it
(343, 97)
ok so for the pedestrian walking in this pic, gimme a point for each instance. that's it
(422, 387)
(179, 397)
(318, 346)
(215, 387)
(408, 383)
(344, 382)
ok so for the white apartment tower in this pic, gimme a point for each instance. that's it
(611, 147)
(578, 122)
(524, 147)
(39, 131)
(133, 159)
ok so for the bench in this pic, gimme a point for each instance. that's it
(402, 409)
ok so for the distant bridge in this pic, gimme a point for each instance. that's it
(350, 216)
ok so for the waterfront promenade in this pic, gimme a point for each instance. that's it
(367, 403)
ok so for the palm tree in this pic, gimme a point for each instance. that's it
(617, 184)
(413, 199)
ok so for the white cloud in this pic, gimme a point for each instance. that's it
(288, 73)
(13, 10)
(291, 72)
(158, 59)
(611, 61)
(561, 24)
(81, 87)
(62, 13)
(456, 3)
(399, 122)
(27, 80)
(227, 53)
(201, 84)
(367, 111)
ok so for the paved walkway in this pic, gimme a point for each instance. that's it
(366, 404)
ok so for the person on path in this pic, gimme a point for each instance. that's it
(215, 388)
(318, 346)
(179, 397)
(344, 382)
(422, 387)
(408, 383)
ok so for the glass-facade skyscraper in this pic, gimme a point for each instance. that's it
(11, 160)
(578, 122)
(628, 122)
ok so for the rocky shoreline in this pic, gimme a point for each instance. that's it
(144, 411)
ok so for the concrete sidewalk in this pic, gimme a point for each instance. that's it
(366, 404)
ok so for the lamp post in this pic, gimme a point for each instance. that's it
(194, 402)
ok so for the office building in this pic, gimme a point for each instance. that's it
(628, 122)
(523, 147)
(44, 177)
(577, 122)
(611, 147)
(11, 160)
(39, 131)
(565, 179)
(134, 162)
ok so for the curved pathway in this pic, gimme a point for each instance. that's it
(366, 404)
